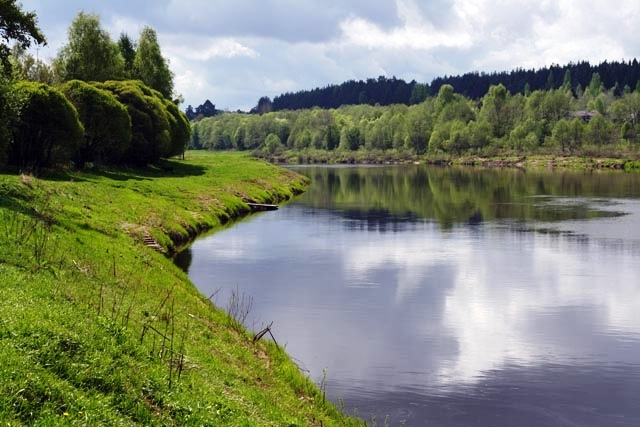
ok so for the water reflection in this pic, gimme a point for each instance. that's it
(519, 317)
(463, 195)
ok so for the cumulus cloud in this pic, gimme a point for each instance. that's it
(360, 33)
(204, 49)
(292, 21)
(275, 44)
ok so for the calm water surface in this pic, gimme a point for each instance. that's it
(449, 297)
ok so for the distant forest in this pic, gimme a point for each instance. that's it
(473, 85)
(568, 120)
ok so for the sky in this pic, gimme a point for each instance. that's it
(234, 52)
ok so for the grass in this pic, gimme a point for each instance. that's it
(96, 328)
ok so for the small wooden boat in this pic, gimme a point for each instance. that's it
(262, 207)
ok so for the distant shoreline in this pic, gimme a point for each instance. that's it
(574, 162)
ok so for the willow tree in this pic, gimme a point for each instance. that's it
(150, 66)
(151, 129)
(107, 125)
(48, 132)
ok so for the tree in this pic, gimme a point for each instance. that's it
(128, 51)
(150, 127)
(264, 106)
(526, 136)
(18, 26)
(26, 67)
(48, 132)
(90, 55)
(600, 131)
(566, 84)
(551, 82)
(377, 135)
(303, 140)
(494, 110)
(625, 111)
(195, 143)
(419, 93)
(21, 28)
(9, 111)
(595, 86)
(239, 137)
(150, 66)
(459, 139)
(445, 96)
(273, 144)
(107, 124)
(349, 138)
(561, 135)
(419, 123)
(568, 134)
(556, 104)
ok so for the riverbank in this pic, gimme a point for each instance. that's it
(98, 327)
(549, 161)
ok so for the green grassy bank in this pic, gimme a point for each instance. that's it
(98, 327)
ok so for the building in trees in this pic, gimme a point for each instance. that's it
(206, 109)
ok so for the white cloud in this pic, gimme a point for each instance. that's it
(414, 32)
(205, 49)
(303, 45)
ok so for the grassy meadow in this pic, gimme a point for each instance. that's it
(98, 327)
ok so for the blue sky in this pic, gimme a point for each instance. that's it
(234, 52)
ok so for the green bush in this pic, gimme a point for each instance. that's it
(48, 131)
(107, 124)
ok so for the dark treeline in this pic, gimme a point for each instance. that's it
(382, 91)
(474, 85)
(614, 75)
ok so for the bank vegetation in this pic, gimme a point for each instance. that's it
(594, 122)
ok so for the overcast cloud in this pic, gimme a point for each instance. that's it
(235, 52)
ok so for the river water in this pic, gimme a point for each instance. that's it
(421, 296)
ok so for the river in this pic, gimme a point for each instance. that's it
(418, 295)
